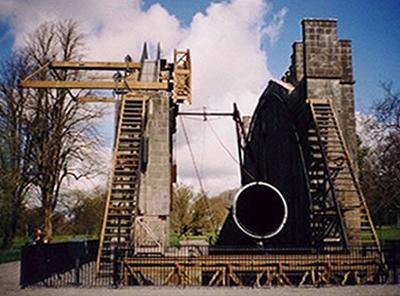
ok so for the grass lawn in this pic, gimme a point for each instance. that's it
(14, 253)
(174, 238)
(391, 232)
(10, 255)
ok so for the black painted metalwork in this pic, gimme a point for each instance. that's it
(284, 148)
(73, 264)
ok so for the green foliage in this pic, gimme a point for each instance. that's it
(87, 213)
(174, 239)
(72, 237)
(10, 255)
(197, 216)
(181, 216)
(14, 253)
(79, 215)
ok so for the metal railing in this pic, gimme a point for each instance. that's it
(73, 264)
(61, 264)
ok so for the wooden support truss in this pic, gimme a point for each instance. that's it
(256, 271)
(182, 76)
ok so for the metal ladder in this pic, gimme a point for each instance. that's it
(123, 185)
(359, 225)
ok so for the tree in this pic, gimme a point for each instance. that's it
(202, 216)
(63, 132)
(46, 135)
(85, 210)
(220, 205)
(387, 110)
(381, 167)
(195, 213)
(15, 142)
(181, 216)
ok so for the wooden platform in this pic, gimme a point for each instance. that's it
(255, 270)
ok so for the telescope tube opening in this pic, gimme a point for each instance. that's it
(260, 210)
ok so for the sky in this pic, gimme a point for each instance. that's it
(237, 46)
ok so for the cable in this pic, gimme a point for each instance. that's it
(222, 144)
(192, 157)
(190, 117)
(229, 153)
(202, 191)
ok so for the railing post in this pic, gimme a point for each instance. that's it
(77, 271)
(394, 264)
(23, 282)
(117, 267)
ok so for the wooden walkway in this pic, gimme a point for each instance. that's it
(254, 270)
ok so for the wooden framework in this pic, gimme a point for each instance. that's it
(254, 270)
(175, 77)
(123, 186)
(327, 225)
(182, 76)
(94, 66)
(95, 99)
(126, 85)
(345, 181)
(125, 79)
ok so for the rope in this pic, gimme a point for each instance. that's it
(202, 191)
(222, 144)
(228, 152)
(196, 170)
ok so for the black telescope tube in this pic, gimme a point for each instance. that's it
(260, 210)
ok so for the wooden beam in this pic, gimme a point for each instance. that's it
(80, 65)
(37, 71)
(93, 99)
(129, 85)
(205, 114)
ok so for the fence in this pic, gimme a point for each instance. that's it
(391, 250)
(61, 264)
(73, 264)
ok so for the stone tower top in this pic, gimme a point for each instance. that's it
(321, 67)
(320, 54)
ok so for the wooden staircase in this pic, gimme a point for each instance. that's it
(359, 226)
(326, 221)
(123, 187)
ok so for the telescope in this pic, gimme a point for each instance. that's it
(272, 208)
(259, 210)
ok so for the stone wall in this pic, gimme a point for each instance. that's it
(152, 225)
(324, 64)
(322, 69)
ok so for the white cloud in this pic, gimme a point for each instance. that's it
(273, 30)
(229, 64)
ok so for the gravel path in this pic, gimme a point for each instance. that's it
(9, 274)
